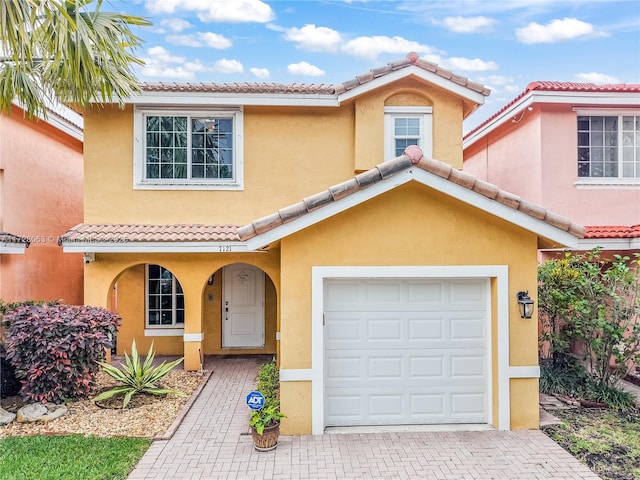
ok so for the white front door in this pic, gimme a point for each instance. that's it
(242, 306)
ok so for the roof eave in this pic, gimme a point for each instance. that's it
(597, 99)
(538, 227)
(71, 246)
(233, 99)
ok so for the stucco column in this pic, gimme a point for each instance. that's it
(193, 328)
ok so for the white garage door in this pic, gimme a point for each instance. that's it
(405, 351)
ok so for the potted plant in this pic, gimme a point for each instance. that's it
(265, 423)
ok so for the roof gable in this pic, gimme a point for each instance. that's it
(585, 94)
(412, 166)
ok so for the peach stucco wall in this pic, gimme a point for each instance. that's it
(289, 153)
(537, 159)
(40, 198)
(411, 225)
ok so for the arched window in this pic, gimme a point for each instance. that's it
(165, 299)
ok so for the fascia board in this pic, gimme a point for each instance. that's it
(583, 99)
(13, 248)
(440, 184)
(523, 220)
(154, 247)
(421, 73)
(609, 243)
(223, 99)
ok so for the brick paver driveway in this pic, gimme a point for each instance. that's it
(213, 443)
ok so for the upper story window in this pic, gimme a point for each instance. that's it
(609, 146)
(404, 126)
(186, 150)
(165, 299)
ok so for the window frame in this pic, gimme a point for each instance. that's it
(140, 182)
(618, 181)
(424, 114)
(174, 329)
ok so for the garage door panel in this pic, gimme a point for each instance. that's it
(468, 366)
(397, 406)
(405, 351)
(403, 366)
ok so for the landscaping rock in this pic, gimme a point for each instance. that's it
(6, 417)
(36, 412)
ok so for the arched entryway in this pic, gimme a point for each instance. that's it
(239, 311)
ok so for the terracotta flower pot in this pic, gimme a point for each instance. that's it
(268, 440)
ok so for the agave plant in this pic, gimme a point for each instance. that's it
(137, 377)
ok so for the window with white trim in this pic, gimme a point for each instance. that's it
(404, 126)
(183, 150)
(608, 146)
(165, 299)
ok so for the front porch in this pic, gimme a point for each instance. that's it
(190, 305)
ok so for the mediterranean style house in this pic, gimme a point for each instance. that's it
(41, 189)
(331, 225)
(574, 148)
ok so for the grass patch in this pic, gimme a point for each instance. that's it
(607, 441)
(69, 457)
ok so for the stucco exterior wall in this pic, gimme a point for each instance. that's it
(410, 225)
(288, 154)
(41, 197)
(511, 158)
(537, 159)
(447, 121)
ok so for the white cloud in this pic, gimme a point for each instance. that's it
(228, 66)
(315, 39)
(236, 11)
(597, 78)
(175, 24)
(468, 24)
(161, 54)
(262, 73)
(304, 68)
(500, 84)
(468, 64)
(556, 31)
(160, 63)
(201, 39)
(370, 47)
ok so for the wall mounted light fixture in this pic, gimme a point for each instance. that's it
(525, 304)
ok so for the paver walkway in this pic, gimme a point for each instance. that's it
(213, 443)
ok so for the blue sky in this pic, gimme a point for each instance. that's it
(503, 44)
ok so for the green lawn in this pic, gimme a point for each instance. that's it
(606, 441)
(71, 457)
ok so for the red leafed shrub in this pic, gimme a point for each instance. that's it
(54, 348)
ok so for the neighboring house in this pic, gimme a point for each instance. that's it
(265, 218)
(40, 198)
(574, 148)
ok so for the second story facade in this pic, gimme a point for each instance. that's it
(572, 147)
(181, 153)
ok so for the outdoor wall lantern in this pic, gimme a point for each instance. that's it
(525, 304)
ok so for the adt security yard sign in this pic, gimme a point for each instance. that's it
(255, 400)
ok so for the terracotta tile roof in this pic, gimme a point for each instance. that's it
(324, 89)
(121, 233)
(559, 87)
(6, 237)
(413, 156)
(237, 88)
(612, 232)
